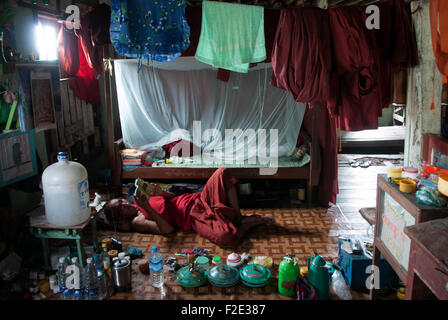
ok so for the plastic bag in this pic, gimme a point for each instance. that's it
(428, 197)
(339, 286)
(10, 266)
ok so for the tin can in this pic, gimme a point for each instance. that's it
(301, 193)
(190, 256)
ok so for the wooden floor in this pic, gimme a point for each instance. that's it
(357, 189)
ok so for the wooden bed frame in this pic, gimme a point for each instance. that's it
(309, 172)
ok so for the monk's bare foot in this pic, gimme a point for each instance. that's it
(255, 220)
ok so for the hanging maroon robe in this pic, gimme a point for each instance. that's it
(357, 58)
(302, 55)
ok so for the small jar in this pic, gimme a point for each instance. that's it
(107, 242)
(216, 260)
(190, 255)
(409, 172)
(112, 254)
(203, 262)
(394, 172)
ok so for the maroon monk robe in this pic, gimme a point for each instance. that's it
(357, 58)
(327, 189)
(301, 56)
(206, 212)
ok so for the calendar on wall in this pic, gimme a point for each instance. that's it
(17, 157)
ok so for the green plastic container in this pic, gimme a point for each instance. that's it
(255, 275)
(288, 272)
(223, 276)
(190, 278)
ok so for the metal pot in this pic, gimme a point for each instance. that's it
(121, 273)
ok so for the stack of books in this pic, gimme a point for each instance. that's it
(131, 158)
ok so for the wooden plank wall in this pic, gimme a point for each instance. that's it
(78, 119)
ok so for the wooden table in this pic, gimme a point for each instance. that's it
(395, 211)
(40, 228)
(428, 260)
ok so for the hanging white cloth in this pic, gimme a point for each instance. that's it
(183, 99)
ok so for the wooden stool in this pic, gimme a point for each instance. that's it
(369, 214)
(40, 228)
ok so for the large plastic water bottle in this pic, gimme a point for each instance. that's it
(91, 281)
(66, 192)
(62, 276)
(156, 268)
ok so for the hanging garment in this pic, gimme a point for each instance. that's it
(398, 47)
(232, 35)
(85, 84)
(357, 58)
(327, 189)
(167, 100)
(194, 19)
(302, 55)
(94, 33)
(68, 51)
(438, 12)
(156, 30)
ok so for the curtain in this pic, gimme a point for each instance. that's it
(159, 105)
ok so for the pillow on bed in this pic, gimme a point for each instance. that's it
(168, 148)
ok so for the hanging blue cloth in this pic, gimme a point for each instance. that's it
(154, 30)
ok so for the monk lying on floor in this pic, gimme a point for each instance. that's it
(213, 213)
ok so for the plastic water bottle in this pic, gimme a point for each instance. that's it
(97, 261)
(63, 291)
(156, 268)
(91, 281)
(104, 257)
(78, 293)
(102, 282)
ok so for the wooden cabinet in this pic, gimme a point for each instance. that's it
(395, 211)
(428, 261)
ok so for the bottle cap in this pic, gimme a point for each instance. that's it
(74, 259)
(112, 253)
(190, 252)
(103, 244)
(89, 260)
(61, 259)
(216, 259)
(62, 156)
(154, 249)
(96, 256)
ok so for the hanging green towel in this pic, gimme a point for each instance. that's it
(232, 35)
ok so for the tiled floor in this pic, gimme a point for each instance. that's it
(297, 231)
(302, 232)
